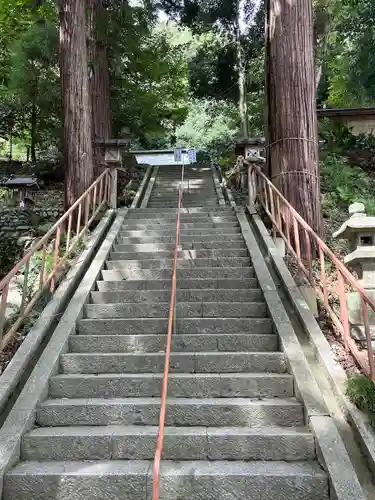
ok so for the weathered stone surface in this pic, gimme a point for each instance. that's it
(195, 295)
(180, 385)
(183, 284)
(231, 412)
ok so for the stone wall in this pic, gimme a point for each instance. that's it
(14, 220)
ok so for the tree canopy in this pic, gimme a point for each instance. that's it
(166, 74)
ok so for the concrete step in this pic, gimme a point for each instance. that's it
(196, 480)
(154, 296)
(180, 343)
(192, 246)
(162, 263)
(163, 231)
(182, 274)
(182, 254)
(180, 385)
(145, 238)
(159, 325)
(183, 310)
(183, 284)
(180, 362)
(115, 442)
(189, 412)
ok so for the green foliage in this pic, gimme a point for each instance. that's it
(149, 81)
(212, 71)
(343, 184)
(361, 391)
(209, 125)
(34, 80)
(347, 51)
(9, 253)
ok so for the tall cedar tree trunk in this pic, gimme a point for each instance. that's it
(33, 128)
(99, 80)
(291, 101)
(241, 65)
(77, 141)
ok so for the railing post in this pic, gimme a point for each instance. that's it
(113, 188)
(251, 187)
(251, 175)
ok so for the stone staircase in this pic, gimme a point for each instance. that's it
(199, 188)
(234, 427)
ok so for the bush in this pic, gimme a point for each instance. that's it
(9, 253)
(361, 391)
(343, 184)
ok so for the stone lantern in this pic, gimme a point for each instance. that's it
(113, 155)
(359, 230)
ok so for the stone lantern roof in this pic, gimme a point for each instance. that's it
(357, 223)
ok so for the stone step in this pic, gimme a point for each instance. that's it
(189, 412)
(180, 343)
(183, 310)
(180, 362)
(115, 442)
(183, 284)
(165, 225)
(199, 219)
(188, 325)
(196, 480)
(144, 213)
(162, 263)
(154, 296)
(183, 239)
(182, 274)
(159, 204)
(200, 197)
(182, 254)
(162, 231)
(203, 245)
(180, 385)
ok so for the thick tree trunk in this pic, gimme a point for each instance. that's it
(292, 122)
(242, 91)
(99, 80)
(241, 68)
(77, 143)
(33, 130)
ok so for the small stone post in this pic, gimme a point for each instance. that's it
(359, 230)
(113, 161)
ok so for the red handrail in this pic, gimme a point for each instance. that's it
(88, 206)
(289, 224)
(164, 390)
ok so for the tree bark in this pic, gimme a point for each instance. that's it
(291, 98)
(99, 80)
(33, 129)
(77, 141)
(241, 68)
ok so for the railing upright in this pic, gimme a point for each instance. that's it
(48, 256)
(262, 189)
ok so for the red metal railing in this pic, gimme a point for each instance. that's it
(44, 262)
(298, 234)
(171, 324)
